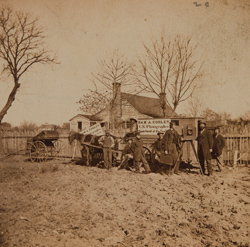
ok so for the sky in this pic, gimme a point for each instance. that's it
(83, 32)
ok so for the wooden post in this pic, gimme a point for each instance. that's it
(235, 158)
(74, 151)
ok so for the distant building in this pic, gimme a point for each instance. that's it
(47, 127)
(80, 122)
(117, 114)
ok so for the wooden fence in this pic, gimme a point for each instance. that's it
(237, 147)
(16, 143)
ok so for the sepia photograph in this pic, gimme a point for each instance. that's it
(124, 123)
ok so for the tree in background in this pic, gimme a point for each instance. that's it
(66, 126)
(195, 107)
(21, 47)
(210, 115)
(94, 101)
(5, 126)
(246, 115)
(27, 126)
(114, 68)
(169, 70)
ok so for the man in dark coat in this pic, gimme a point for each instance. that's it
(157, 150)
(218, 145)
(138, 154)
(158, 146)
(126, 155)
(171, 145)
(205, 145)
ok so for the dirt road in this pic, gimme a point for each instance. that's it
(62, 204)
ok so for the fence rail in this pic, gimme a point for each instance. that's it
(237, 147)
(16, 143)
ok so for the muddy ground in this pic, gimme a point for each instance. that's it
(59, 203)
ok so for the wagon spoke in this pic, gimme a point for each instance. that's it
(58, 147)
(38, 151)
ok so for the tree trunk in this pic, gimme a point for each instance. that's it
(9, 102)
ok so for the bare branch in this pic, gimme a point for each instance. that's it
(21, 46)
(170, 68)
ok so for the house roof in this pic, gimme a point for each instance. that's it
(144, 105)
(89, 117)
(148, 106)
(81, 115)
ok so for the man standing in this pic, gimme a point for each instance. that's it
(205, 145)
(218, 145)
(158, 146)
(107, 142)
(158, 149)
(171, 145)
(138, 154)
(126, 155)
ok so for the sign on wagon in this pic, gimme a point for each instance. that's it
(96, 129)
(152, 126)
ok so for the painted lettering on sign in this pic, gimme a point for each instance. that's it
(96, 129)
(152, 126)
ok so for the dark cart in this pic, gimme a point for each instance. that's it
(44, 145)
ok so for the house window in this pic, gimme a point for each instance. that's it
(79, 125)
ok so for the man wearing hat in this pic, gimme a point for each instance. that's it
(205, 148)
(132, 129)
(158, 148)
(133, 125)
(171, 145)
(107, 141)
(218, 145)
(126, 154)
(138, 154)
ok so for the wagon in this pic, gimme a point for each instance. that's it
(43, 146)
(92, 151)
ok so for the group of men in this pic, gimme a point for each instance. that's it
(210, 147)
(168, 145)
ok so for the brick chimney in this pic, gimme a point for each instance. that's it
(116, 108)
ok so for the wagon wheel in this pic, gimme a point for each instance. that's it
(38, 152)
(87, 157)
(29, 148)
(97, 156)
(58, 147)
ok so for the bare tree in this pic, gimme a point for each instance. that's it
(195, 107)
(28, 126)
(21, 47)
(94, 101)
(113, 69)
(169, 70)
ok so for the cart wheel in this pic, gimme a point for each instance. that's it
(58, 147)
(96, 156)
(38, 152)
(29, 148)
(87, 158)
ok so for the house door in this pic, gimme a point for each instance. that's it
(79, 125)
